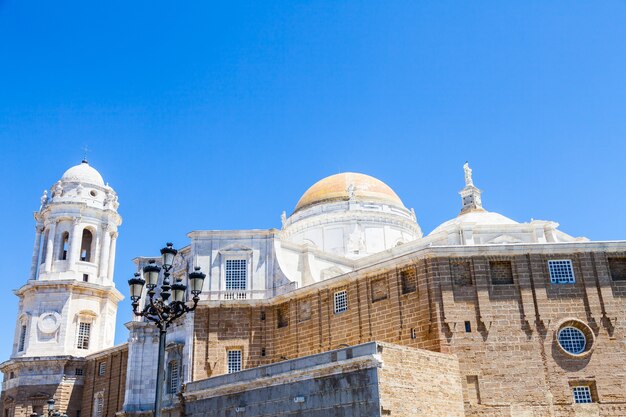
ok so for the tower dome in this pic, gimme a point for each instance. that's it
(348, 186)
(84, 173)
(350, 215)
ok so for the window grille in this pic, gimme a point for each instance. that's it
(572, 340)
(174, 377)
(582, 394)
(84, 330)
(102, 368)
(341, 301)
(561, 271)
(236, 270)
(98, 406)
(22, 342)
(78, 371)
(234, 361)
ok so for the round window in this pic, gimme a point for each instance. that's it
(572, 340)
(93, 193)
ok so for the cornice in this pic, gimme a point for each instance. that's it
(108, 351)
(374, 264)
(250, 233)
(79, 287)
(39, 360)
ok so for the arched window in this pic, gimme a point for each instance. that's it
(85, 246)
(98, 405)
(173, 373)
(22, 341)
(64, 247)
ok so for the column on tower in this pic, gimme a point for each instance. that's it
(112, 255)
(104, 254)
(36, 249)
(50, 245)
(75, 244)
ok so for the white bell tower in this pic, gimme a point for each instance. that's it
(69, 304)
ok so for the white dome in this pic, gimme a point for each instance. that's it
(83, 173)
(478, 217)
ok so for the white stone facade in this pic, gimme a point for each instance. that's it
(69, 304)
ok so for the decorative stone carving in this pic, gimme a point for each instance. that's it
(304, 310)
(379, 289)
(49, 322)
(44, 199)
(356, 241)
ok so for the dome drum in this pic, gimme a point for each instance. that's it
(350, 215)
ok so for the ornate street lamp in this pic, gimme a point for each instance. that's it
(51, 411)
(162, 310)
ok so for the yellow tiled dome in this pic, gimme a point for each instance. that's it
(339, 187)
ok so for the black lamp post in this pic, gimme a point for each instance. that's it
(161, 310)
(51, 411)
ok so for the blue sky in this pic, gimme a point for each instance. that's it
(220, 115)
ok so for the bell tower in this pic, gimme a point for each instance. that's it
(67, 308)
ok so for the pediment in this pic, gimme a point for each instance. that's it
(331, 272)
(504, 239)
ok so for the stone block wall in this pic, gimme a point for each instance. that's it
(105, 375)
(378, 309)
(348, 382)
(496, 310)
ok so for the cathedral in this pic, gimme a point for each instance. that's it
(347, 310)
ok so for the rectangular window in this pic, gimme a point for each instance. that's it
(20, 347)
(582, 394)
(85, 277)
(84, 329)
(78, 371)
(408, 281)
(501, 272)
(461, 272)
(341, 301)
(561, 271)
(98, 408)
(234, 361)
(236, 270)
(173, 370)
(473, 389)
(617, 266)
(102, 368)
(282, 315)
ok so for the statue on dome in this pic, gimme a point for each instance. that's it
(57, 190)
(283, 218)
(44, 199)
(468, 175)
(351, 190)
